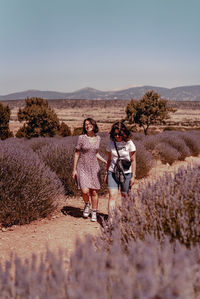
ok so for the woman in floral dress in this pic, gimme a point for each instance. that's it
(86, 168)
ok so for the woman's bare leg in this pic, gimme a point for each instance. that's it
(94, 199)
(113, 195)
(85, 195)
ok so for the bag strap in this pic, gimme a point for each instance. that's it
(122, 170)
(116, 149)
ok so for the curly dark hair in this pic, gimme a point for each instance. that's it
(119, 125)
(93, 122)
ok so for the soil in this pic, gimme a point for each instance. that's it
(63, 228)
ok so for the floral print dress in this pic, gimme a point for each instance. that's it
(88, 170)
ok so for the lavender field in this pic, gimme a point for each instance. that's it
(150, 250)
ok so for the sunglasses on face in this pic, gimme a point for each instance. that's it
(117, 134)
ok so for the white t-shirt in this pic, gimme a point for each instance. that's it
(124, 148)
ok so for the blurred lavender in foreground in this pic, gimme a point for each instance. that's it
(170, 206)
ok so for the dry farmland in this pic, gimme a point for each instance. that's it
(105, 112)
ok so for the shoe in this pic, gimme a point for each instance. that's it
(86, 211)
(94, 216)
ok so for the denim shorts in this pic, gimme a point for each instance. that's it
(112, 184)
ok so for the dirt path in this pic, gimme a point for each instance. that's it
(62, 230)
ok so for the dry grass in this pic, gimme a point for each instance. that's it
(74, 117)
(105, 113)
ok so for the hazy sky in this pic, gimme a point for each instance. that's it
(65, 45)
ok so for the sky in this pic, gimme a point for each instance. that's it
(66, 45)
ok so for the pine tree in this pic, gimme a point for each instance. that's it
(40, 119)
(4, 122)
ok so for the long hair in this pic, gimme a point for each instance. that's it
(93, 122)
(119, 125)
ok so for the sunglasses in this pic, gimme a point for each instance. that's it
(118, 134)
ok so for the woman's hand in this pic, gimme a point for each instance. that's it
(74, 174)
(132, 181)
(106, 177)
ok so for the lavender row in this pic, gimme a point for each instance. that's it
(167, 207)
(28, 188)
(147, 269)
(149, 250)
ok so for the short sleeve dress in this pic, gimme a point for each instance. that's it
(88, 170)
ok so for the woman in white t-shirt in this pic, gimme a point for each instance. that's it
(120, 136)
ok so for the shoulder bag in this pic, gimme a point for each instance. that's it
(120, 166)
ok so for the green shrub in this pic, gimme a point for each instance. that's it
(4, 122)
(64, 130)
(40, 119)
(77, 131)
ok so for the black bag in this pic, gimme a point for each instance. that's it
(126, 164)
(120, 166)
(119, 172)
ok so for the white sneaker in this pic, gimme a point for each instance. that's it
(86, 211)
(94, 216)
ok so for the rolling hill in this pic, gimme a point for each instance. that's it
(183, 93)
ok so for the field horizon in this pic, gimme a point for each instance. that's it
(106, 112)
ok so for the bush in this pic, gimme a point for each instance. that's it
(166, 153)
(147, 269)
(4, 122)
(169, 206)
(138, 255)
(192, 141)
(77, 131)
(29, 190)
(150, 142)
(144, 161)
(176, 142)
(37, 143)
(64, 130)
(138, 137)
(43, 277)
(40, 119)
(58, 155)
(21, 132)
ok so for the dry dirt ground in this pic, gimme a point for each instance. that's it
(105, 118)
(62, 229)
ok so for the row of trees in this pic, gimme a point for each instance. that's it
(38, 118)
(41, 120)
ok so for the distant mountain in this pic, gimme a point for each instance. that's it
(184, 93)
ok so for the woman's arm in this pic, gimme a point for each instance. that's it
(76, 156)
(108, 161)
(101, 158)
(133, 167)
(107, 167)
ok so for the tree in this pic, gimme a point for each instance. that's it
(4, 122)
(40, 119)
(64, 130)
(151, 109)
